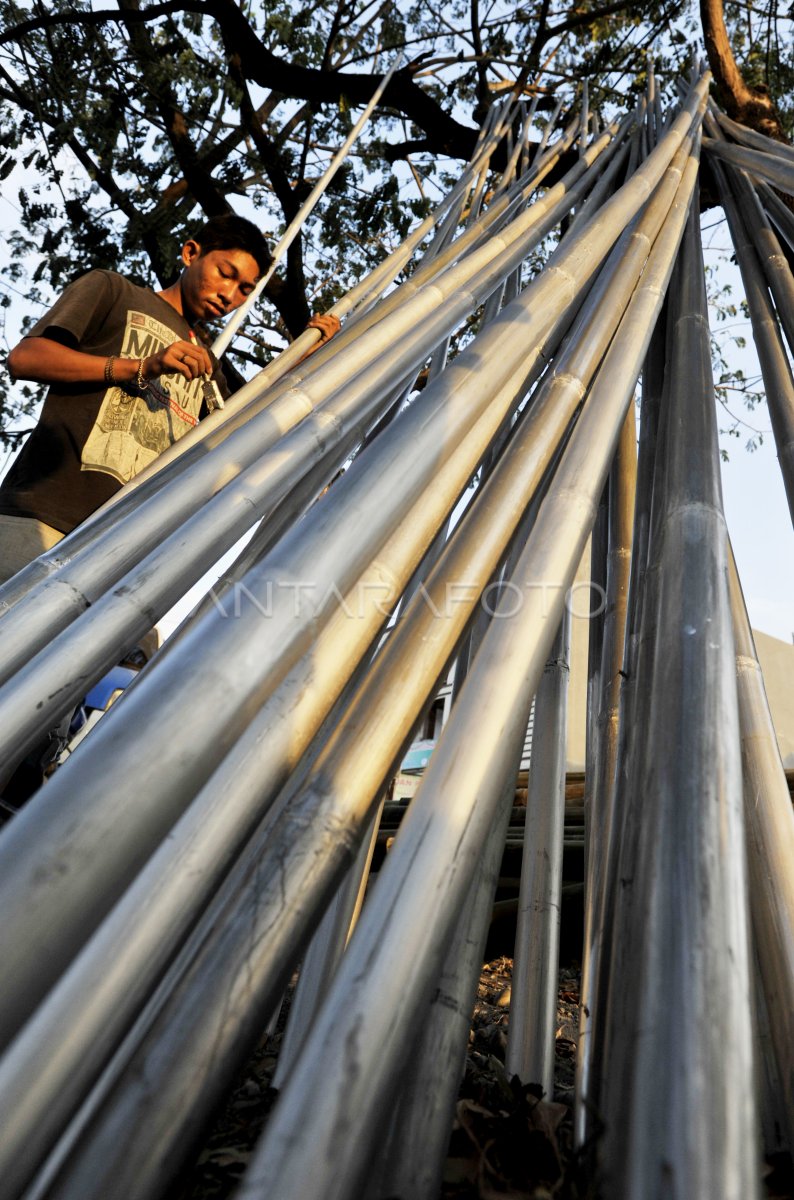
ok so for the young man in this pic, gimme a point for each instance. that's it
(126, 376)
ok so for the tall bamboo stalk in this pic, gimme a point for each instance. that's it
(677, 1108)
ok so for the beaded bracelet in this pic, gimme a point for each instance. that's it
(110, 378)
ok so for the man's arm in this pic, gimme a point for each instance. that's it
(45, 360)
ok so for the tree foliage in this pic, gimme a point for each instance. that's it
(123, 125)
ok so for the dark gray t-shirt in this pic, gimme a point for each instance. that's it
(87, 444)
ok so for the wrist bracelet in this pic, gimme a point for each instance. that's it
(109, 376)
(141, 383)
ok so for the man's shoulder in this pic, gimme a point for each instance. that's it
(114, 281)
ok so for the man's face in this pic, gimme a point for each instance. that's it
(217, 282)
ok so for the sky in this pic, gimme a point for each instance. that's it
(756, 509)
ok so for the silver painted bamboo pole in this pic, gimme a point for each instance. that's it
(224, 338)
(324, 953)
(362, 771)
(774, 1123)
(103, 561)
(533, 994)
(584, 117)
(599, 549)
(653, 380)
(778, 212)
(775, 367)
(773, 168)
(464, 781)
(769, 822)
(651, 96)
(413, 1163)
(604, 187)
(678, 1111)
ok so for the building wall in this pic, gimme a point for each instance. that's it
(777, 664)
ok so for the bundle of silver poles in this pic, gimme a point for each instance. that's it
(214, 831)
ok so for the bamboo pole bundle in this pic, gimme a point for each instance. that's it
(98, 999)
(247, 835)
(291, 876)
(473, 772)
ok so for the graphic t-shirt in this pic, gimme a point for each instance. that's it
(87, 444)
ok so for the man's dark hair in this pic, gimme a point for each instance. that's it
(230, 232)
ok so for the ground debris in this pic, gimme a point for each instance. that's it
(508, 1141)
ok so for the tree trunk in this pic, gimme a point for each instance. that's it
(750, 106)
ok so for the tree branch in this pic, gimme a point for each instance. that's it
(290, 297)
(580, 19)
(260, 65)
(201, 184)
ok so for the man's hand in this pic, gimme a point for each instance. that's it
(327, 323)
(328, 326)
(188, 359)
